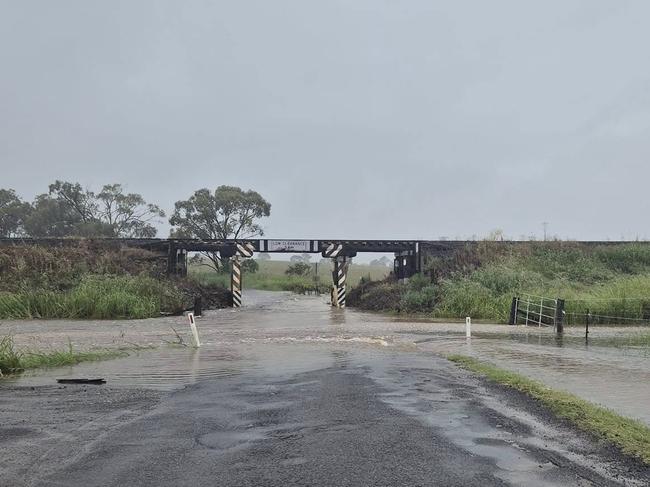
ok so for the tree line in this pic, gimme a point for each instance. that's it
(69, 210)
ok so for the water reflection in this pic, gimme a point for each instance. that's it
(282, 334)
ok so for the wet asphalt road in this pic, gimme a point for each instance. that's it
(342, 415)
(324, 428)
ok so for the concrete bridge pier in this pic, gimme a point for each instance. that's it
(339, 276)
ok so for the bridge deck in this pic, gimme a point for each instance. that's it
(280, 245)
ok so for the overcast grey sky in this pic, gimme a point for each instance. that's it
(355, 118)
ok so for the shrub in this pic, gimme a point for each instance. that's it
(418, 300)
(377, 296)
(298, 269)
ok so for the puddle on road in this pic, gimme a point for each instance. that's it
(169, 368)
(281, 334)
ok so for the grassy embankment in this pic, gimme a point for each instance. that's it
(88, 280)
(480, 281)
(631, 436)
(271, 276)
(13, 361)
(96, 297)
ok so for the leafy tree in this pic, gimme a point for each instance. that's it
(263, 256)
(306, 258)
(227, 213)
(70, 210)
(51, 218)
(298, 269)
(250, 266)
(383, 261)
(127, 214)
(13, 212)
(80, 201)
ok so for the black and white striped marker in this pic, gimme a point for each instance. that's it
(235, 282)
(341, 274)
(245, 250)
(333, 250)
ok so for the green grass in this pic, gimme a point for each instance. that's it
(14, 361)
(271, 276)
(10, 359)
(95, 297)
(631, 436)
(480, 281)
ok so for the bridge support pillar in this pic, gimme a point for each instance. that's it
(235, 281)
(181, 263)
(406, 265)
(339, 276)
(176, 261)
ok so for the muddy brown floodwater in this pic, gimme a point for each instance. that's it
(604, 371)
(288, 391)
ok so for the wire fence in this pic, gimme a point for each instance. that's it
(611, 311)
(532, 310)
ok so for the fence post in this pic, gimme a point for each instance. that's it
(559, 316)
(513, 311)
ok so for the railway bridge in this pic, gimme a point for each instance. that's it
(407, 257)
(408, 253)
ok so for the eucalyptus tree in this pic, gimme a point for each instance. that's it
(228, 212)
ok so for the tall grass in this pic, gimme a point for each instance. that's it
(10, 359)
(95, 297)
(608, 280)
(13, 361)
(631, 436)
(484, 295)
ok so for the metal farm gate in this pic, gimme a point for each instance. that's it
(531, 310)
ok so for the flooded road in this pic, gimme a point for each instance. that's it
(288, 391)
(258, 336)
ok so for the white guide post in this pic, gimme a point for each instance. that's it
(195, 332)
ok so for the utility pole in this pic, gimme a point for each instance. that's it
(545, 225)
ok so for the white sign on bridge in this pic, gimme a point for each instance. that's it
(288, 245)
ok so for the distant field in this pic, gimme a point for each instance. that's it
(271, 274)
(355, 273)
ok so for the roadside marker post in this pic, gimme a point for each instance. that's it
(195, 332)
(468, 327)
